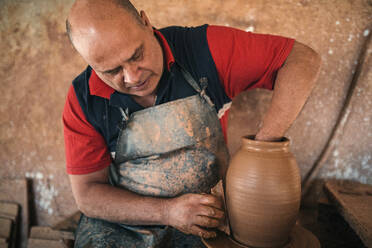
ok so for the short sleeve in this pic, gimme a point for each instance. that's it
(86, 150)
(246, 60)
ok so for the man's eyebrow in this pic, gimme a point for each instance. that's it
(112, 70)
(136, 52)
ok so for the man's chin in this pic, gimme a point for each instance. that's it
(144, 89)
(143, 93)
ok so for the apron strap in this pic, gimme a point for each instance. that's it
(203, 83)
(124, 114)
(124, 117)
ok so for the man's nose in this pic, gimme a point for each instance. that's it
(132, 74)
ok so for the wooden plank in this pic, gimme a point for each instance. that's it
(9, 210)
(42, 243)
(3, 243)
(42, 232)
(354, 202)
(5, 228)
(15, 191)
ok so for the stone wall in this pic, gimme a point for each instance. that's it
(37, 65)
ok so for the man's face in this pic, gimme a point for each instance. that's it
(124, 53)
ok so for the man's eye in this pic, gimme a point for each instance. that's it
(137, 57)
(113, 72)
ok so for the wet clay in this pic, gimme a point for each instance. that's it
(299, 238)
(263, 190)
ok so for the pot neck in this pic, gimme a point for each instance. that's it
(249, 143)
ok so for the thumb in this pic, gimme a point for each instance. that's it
(218, 191)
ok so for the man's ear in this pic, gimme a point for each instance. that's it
(145, 19)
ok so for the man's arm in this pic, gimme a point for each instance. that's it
(293, 85)
(189, 213)
(96, 198)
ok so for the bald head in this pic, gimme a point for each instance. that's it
(118, 44)
(96, 10)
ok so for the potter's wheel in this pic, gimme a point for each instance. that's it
(300, 238)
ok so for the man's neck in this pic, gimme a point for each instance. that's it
(145, 101)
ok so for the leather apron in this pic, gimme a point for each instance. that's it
(163, 151)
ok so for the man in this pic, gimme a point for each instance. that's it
(142, 123)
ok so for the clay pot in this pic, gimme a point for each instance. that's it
(263, 191)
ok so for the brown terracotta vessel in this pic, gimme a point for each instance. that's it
(263, 191)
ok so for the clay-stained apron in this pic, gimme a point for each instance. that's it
(163, 151)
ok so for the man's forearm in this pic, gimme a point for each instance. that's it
(190, 213)
(119, 205)
(293, 86)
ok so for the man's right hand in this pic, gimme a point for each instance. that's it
(195, 214)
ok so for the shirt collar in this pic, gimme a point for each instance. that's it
(99, 88)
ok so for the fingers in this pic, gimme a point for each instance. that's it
(196, 213)
(195, 230)
(207, 222)
(211, 200)
(211, 212)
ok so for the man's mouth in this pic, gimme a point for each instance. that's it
(139, 86)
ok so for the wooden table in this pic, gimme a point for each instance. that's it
(354, 202)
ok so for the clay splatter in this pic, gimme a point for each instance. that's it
(46, 190)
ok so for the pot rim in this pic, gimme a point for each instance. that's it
(249, 142)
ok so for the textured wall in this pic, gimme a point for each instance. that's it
(36, 68)
(37, 65)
